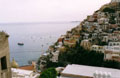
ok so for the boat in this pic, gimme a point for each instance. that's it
(20, 43)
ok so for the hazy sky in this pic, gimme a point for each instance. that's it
(47, 10)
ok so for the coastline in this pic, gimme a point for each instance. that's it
(33, 40)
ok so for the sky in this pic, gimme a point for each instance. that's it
(16, 11)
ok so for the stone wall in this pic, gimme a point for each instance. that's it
(5, 67)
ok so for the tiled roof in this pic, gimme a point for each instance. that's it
(29, 67)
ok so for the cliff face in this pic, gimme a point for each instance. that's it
(5, 69)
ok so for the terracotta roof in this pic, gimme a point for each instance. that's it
(29, 67)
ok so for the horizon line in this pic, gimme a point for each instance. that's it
(39, 22)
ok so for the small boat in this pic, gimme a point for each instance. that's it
(20, 43)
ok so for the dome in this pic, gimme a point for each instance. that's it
(14, 64)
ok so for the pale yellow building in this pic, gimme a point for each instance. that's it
(5, 68)
(86, 44)
(70, 43)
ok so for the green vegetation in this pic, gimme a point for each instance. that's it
(109, 10)
(53, 64)
(111, 64)
(49, 73)
(79, 55)
(112, 20)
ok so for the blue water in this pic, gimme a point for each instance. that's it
(33, 35)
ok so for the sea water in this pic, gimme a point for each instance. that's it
(37, 37)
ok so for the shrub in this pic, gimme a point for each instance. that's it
(109, 10)
(49, 73)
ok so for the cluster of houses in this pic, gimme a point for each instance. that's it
(96, 32)
(99, 32)
(100, 35)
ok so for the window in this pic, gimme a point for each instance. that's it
(117, 43)
(3, 63)
(110, 44)
(114, 44)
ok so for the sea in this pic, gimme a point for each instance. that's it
(37, 37)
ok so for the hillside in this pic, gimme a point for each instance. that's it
(95, 42)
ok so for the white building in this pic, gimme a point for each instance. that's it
(112, 52)
(103, 20)
(105, 39)
(81, 71)
(20, 73)
(97, 48)
(115, 49)
(55, 56)
(114, 44)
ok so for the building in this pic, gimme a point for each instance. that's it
(55, 56)
(103, 21)
(118, 17)
(81, 71)
(20, 73)
(28, 71)
(114, 44)
(86, 44)
(105, 39)
(97, 48)
(86, 36)
(5, 69)
(70, 43)
(115, 1)
(112, 53)
(62, 49)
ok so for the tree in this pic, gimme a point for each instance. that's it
(112, 20)
(79, 55)
(49, 73)
(109, 10)
(111, 64)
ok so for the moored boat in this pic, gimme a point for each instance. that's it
(20, 43)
